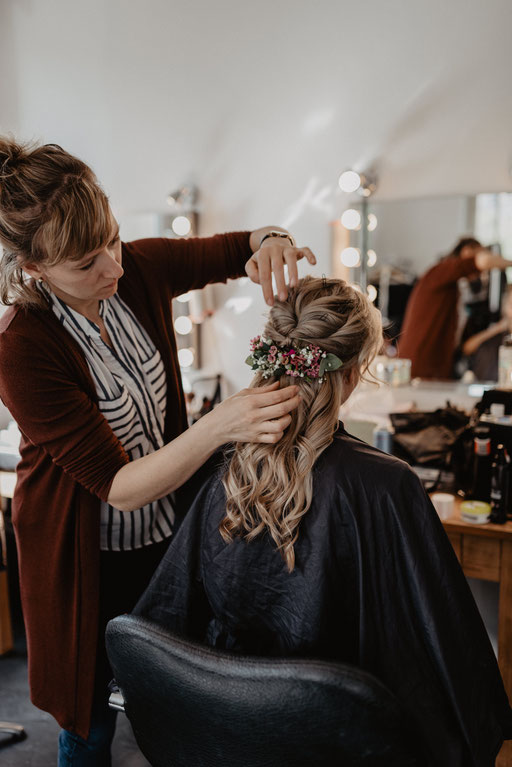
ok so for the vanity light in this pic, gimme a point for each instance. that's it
(349, 181)
(181, 225)
(365, 184)
(371, 291)
(372, 258)
(183, 325)
(185, 357)
(350, 257)
(351, 219)
(372, 222)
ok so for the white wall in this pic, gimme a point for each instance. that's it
(413, 234)
(263, 104)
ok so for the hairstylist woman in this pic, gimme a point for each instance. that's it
(89, 370)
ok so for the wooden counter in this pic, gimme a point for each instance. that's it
(485, 552)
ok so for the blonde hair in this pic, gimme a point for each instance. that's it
(269, 487)
(52, 208)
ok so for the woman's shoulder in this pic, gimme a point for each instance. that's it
(349, 458)
(7, 318)
(31, 322)
(33, 340)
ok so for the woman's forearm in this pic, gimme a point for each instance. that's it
(474, 342)
(251, 415)
(155, 475)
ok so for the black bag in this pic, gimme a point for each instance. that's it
(436, 439)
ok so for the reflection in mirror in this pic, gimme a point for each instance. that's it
(413, 235)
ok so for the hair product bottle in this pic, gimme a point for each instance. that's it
(505, 363)
(481, 487)
(500, 486)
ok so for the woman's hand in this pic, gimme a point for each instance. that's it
(270, 258)
(254, 415)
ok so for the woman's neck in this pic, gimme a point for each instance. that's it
(87, 308)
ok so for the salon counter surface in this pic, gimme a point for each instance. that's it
(374, 403)
(485, 552)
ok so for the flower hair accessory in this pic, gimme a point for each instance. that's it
(306, 361)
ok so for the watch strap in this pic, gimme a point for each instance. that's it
(277, 233)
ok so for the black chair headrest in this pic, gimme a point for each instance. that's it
(190, 705)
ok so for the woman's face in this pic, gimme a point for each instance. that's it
(92, 278)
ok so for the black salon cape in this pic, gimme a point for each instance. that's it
(376, 584)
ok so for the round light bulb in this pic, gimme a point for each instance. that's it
(349, 181)
(372, 292)
(351, 219)
(372, 222)
(183, 325)
(181, 226)
(184, 297)
(372, 258)
(350, 257)
(185, 357)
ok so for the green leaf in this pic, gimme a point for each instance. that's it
(329, 363)
(249, 360)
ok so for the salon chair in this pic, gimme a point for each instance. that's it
(192, 706)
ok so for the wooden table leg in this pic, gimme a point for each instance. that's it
(6, 642)
(505, 638)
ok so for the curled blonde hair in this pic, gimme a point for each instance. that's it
(52, 208)
(269, 487)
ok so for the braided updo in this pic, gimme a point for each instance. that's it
(330, 314)
(269, 487)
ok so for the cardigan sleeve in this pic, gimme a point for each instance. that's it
(40, 386)
(446, 273)
(190, 264)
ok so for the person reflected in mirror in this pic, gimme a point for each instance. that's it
(481, 349)
(322, 546)
(431, 322)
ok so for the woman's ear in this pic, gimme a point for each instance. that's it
(350, 381)
(32, 270)
(352, 377)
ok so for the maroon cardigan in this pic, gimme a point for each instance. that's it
(69, 457)
(430, 322)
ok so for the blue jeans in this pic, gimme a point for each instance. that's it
(123, 577)
(74, 751)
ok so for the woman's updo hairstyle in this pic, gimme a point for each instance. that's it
(52, 208)
(330, 314)
(269, 487)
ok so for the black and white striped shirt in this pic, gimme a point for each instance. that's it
(132, 394)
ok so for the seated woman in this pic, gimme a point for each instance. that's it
(482, 348)
(322, 546)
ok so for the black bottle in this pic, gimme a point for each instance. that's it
(500, 486)
(481, 487)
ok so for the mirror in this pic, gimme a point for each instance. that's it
(413, 234)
